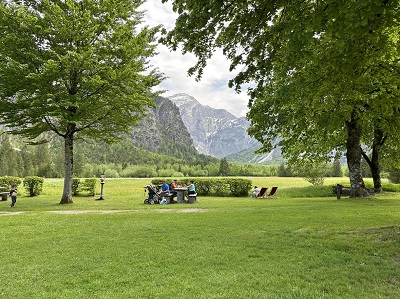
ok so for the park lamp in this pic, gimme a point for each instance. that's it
(102, 182)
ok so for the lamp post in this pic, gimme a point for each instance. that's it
(102, 182)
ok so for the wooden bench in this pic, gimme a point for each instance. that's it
(192, 198)
(4, 196)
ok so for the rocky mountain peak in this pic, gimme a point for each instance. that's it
(215, 132)
(182, 99)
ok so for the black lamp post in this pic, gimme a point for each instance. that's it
(102, 182)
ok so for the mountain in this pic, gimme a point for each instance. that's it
(179, 126)
(215, 132)
(248, 156)
(163, 131)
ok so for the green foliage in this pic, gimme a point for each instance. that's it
(239, 187)
(85, 64)
(89, 185)
(314, 174)
(95, 159)
(224, 168)
(73, 78)
(387, 187)
(136, 171)
(325, 73)
(11, 159)
(7, 181)
(75, 186)
(394, 175)
(336, 169)
(285, 170)
(33, 185)
(111, 173)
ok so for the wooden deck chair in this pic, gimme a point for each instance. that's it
(272, 192)
(262, 192)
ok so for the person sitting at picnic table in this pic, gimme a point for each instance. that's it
(164, 189)
(174, 185)
(255, 192)
(191, 188)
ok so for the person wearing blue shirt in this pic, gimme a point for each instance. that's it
(191, 188)
(164, 188)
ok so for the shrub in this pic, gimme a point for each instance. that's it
(239, 187)
(33, 185)
(7, 181)
(134, 171)
(394, 176)
(111, 173)
(388, 187)
(89, 186)
(314, 174)
(75, 186)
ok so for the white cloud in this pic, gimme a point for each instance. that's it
(213, 88)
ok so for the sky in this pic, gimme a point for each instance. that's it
(213, 88)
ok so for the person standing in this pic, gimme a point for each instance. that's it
(13, 194)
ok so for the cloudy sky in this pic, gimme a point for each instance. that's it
(213, 89)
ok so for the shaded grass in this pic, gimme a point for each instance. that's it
(280, 247)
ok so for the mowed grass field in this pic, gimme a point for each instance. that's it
(301, 243)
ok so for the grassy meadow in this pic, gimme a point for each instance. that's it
(301, 243)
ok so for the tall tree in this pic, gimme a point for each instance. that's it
(6, 155)
(77, 68)
(224, 168)
(322, 73)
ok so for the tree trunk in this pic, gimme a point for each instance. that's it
(374, 162)
(68, 168)
(353, 154)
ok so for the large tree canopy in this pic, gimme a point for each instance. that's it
(324, 74)
(76, 68)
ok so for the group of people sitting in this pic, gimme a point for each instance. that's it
(169, 189)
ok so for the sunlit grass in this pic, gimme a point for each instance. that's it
(281, 247)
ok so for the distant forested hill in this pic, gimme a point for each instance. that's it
(161, 139)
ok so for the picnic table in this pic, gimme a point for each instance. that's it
(180, 194)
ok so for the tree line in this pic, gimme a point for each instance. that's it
(20, 159)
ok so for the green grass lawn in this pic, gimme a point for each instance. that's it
(288, 246)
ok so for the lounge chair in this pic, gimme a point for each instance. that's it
(262, 192)
(272, 192)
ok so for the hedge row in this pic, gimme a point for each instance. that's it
(32, 184)
(214, 186)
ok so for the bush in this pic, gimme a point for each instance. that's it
(7, 181)
(314, 174)
(394, 176)
(88, 185)
(111, 173)
(75, 186)
(239, 187)
(134, 171)
(33, 185)
(387, 187)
